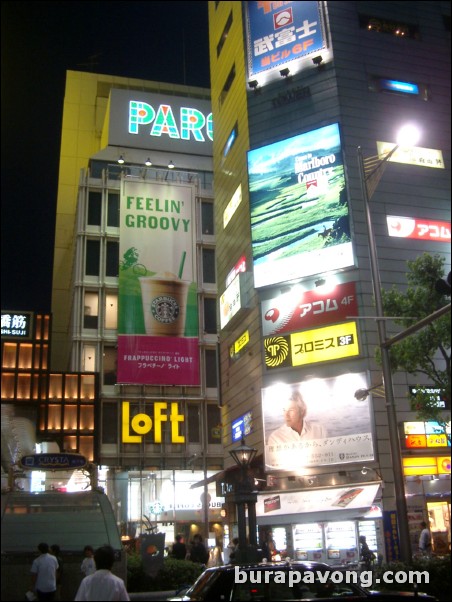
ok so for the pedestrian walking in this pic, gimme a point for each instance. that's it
(425, 540)
(44, 574)
(88, 566)
(179, 549)
(198, 552)
(102, 585)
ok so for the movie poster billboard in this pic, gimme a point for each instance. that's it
(158, 311)
(335, 428)
(280, 32)
(299, 207)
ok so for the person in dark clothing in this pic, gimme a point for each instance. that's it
(367, 556)
(179, 549)
(198, 552)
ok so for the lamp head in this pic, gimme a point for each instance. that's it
(284, 72)
(148, 162)
(243, 455)
(317, 60)
(408, 136)
(253, 84)
(362, 394)
(121, 160)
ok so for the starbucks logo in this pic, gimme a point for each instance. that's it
(165, 309)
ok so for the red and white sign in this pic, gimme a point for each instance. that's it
(301, 310)
(421, 229)
(240, 266)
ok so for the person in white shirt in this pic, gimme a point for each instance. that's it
(88, 566)
(44, 573)
(296, 427)
(425, 540)
(102, 585)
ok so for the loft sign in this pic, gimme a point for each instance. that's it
(133, 429)
(184, 124)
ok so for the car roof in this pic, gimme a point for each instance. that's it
(306, 565)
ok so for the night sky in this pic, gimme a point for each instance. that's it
(159, 41)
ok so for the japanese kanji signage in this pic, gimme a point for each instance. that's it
(280, 32)
(17, 324)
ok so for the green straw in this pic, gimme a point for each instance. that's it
(181, 267)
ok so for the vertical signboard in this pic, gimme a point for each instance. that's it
(391, 533)
(158, 313)
(280, 32)
(299, 207)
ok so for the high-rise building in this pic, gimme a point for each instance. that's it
(134, 294)
(297, 88)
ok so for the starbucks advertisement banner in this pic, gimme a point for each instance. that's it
(158, 311)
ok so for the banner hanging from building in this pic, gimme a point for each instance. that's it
(158, 308)
(308, 423)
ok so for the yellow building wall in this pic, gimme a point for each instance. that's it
(240, 381)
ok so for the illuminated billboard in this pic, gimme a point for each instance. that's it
(299, 207)
(326, 435)
(332, 342)
(280, 32)
(412, 155)
(158, 308)
(17, 324)
(297, 309)
(421, 229)
(234, 298)
(420, 435)
(159, 121)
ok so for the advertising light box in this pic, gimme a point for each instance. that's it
(420, 229)
(17, 324)
(299, 207)
(280, 32)
(298, 310)
(234, 298)
(311, 346)
(335, 428)
(160, 121)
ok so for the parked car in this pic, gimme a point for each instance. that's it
(283, 581)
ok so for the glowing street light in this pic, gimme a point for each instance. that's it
(370, 171)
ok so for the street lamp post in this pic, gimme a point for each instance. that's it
(370, 171)
(244, 497)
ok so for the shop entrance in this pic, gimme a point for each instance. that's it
(439, 518)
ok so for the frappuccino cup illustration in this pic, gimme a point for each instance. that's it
(164, 298)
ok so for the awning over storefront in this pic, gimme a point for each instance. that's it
(218, 476)
(346, 502)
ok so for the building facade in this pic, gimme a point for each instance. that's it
(296, 88)
(134, 293)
